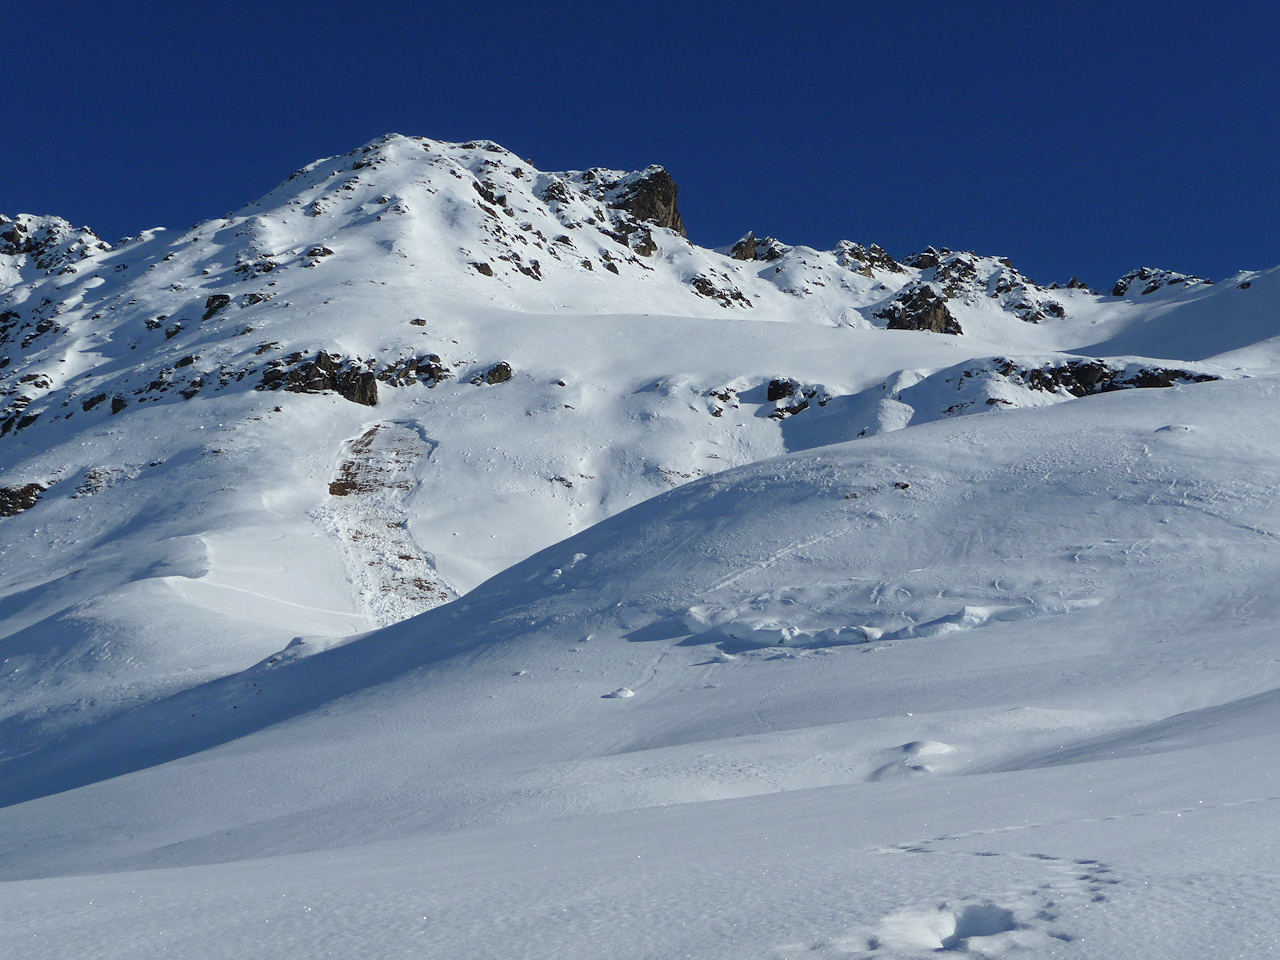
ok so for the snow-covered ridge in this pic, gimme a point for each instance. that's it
(532, 352)
(379, 531)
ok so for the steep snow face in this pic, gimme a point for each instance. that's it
(408, 367)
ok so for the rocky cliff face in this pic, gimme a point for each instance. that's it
(651, 196)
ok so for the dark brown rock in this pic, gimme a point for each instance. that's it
(499, 373)
(779, 389)
(919, 308)
(652, 197)
(14, 500)
(744, 249)
(215, 303)
(706, 287)
(358, 387)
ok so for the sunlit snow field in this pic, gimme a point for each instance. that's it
(939, 662)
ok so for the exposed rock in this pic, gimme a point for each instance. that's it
(780, 388)
(351, 379)
(324, 372)
(651, 196)
(358, 387)
(14, 500)
(751, 247)
(1151, 279)
(791, 409)
(1075, 283)
(482, 268)
(706, 287)
(556, 191)
(865, 260)
(118, 403)
(1082, 378)
(642, 242)
(792, 396)
(215, 303)
(254, 266)
(744, 249)
(925, 259)
(919, 308)
(97, 479)
(51, 242)
(722, 397)
(500, 372)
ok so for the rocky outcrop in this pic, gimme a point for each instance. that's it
(218, 301)
(744, 249)
(352, 380)
(966, 277)
(926, 259)
(726, 295)
(1147, 280)
(1082, 378)
(865, 260)
(751, 248)
(50, 242)
(323, 373)
(919, 308)
(780, 388)
(14, 500)
(651, 196)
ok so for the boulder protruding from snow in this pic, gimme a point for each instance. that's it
(325, 371)
(14, 500)
(500, 372)
(919, 308)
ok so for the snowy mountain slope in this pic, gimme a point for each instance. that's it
(197, 475)
(990, 683)
(1059, 571)
(1010, 589)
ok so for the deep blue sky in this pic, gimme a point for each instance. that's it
(1078, 138)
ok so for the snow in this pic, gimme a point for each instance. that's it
(899, 672)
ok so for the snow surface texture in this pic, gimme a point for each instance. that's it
(972, 650)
